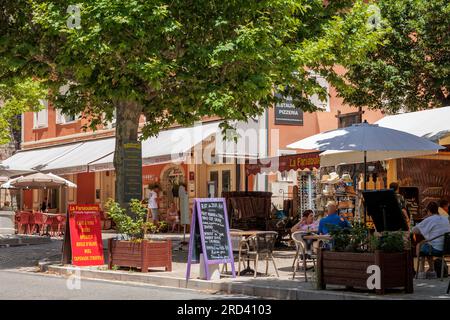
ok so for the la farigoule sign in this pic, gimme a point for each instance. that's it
(85, 235)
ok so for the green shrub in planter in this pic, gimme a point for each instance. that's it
(133, 227)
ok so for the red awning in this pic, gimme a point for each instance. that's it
(299, 161)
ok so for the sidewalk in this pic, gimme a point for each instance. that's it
(262, 286)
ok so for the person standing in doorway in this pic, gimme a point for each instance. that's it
(153, 204)
(44, 205)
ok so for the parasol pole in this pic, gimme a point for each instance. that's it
(365, 184)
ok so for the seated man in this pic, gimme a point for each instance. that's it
(432, 226)
(332, 218)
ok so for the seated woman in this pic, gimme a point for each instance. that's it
(307, 224)
(172, 216)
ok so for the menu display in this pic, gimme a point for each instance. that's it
(210, 234)
(85, 235)
(214, 230)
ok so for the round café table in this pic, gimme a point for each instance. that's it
(246, 235)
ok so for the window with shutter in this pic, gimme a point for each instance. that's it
(41, 117)
(321, 105)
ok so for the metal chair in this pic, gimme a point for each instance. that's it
(236, 245)
(260, 246)
(301, 253)
(445, 252)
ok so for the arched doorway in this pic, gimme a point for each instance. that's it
(172, 175)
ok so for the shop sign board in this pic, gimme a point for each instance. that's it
(287, 114)
(85, 235)
(210, 235)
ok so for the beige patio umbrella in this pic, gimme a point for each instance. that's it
(38, 180)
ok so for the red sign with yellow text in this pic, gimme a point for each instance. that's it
(85, 235)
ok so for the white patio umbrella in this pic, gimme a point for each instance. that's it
(368, 141)
(38, 180)
(11, 171)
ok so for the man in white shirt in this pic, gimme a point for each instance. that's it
(153, 204)
(431, 227)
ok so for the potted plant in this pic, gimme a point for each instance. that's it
(134, 251)
(353, 251)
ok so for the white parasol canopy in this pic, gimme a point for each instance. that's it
(363, 140)
(11, 171)
(38, 180)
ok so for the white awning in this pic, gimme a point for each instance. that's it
(432, 124)
(77, 160)
(247, 144)
(172, 145)
(30, 159)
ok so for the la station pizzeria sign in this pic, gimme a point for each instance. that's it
(85, 235)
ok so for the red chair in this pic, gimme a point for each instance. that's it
(23, 220)
(39, 221)
(59, 224)
(48, 223)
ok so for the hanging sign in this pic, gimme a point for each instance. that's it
(210, 235)
(287, 114)
(85, 235)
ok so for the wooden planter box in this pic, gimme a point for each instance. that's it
(141, 255)
(350, 269)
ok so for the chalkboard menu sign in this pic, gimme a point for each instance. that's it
(215, 231)
(210, 234)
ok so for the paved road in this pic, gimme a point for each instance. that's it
(29, 256)
(19, 285)
(19, 280)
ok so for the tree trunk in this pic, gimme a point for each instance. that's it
(127, 125)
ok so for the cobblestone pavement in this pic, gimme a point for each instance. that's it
(17, 257)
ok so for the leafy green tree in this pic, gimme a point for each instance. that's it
(411, 71)
(178, 61)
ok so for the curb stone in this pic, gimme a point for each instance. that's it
(197, 284)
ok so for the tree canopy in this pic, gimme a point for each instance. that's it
(411, 71)
(180, 60)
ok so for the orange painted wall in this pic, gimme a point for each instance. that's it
(86, 188)
(156, 171)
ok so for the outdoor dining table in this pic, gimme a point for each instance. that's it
(246, 235)
(322, 237)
